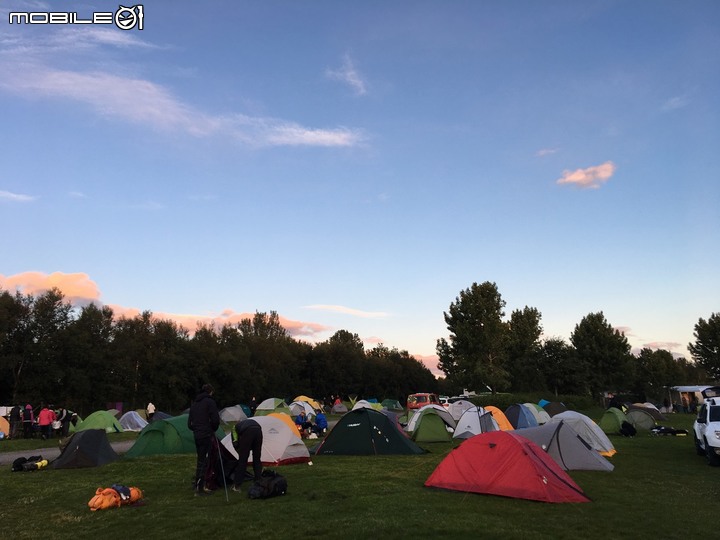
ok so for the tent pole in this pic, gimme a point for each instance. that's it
(222, 469)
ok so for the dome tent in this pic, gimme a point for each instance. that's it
(366, 431)
(169, 436)
(512, 467)
(86, 448)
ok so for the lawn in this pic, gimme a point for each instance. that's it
(657, 490)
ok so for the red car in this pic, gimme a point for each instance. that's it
(415, 401)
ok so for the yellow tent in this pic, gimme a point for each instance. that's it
(4, 426)
(314, 404)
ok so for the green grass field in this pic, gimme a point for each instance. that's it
(659, 489)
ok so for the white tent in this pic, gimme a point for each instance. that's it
(233, 414)
(474, 421)
(588, 430)
(132, 421)
(298, 406)
(280, 445)
(367, 405)
(458, 407)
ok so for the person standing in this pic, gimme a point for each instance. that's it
(150, 411)
(64, 419)
(28, 421)
(249, 439)
(15, 421)
(45, 421)
(203, 421)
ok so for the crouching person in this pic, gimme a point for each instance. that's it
(249, 439)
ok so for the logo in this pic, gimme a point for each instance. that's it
(125, 18)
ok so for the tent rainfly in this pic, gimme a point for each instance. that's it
(566, 447)
(512, 466)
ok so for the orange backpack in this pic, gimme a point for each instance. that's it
(104, 498)
(110, 498)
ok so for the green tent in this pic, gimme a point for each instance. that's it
(363, 432)
(169, 436)
(611, 420)
(100, 420)
(431, 428)
(431, 424)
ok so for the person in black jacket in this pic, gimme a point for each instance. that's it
(249, 439)
(203, 420)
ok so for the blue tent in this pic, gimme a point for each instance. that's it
(520, 416)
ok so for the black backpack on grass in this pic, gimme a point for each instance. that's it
(271, 484)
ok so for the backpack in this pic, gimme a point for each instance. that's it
(627, 429)
(28, 464)
(271, 484)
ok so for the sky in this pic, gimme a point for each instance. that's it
(356, 165)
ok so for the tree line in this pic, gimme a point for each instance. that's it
(84, 358)
(487, 351)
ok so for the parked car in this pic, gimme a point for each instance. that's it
(445, 401)
(415, 401)
(706, 430)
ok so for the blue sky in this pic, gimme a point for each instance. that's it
(356, 165)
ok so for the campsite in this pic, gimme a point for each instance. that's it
(351, 495)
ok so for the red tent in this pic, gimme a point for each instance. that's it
(503, 463)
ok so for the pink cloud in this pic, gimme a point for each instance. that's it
(589, 178)
(78, 288)
(430, 361)
(625, 330)
(666, 345)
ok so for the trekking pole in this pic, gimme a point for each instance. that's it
(222, 469)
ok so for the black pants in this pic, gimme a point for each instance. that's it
(202, 446)
(250, 439)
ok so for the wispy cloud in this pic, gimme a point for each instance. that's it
(677, 102)
(546, 152)
(16, 197)
(148, 205)
(27, 71)
(349, 311)
(349, 75)
(666, 345)
(589, 178)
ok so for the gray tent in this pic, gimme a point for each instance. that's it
(233, 415)
(87, 448)
(566, 447)
(640, 419)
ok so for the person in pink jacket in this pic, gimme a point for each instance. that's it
(45, 420)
